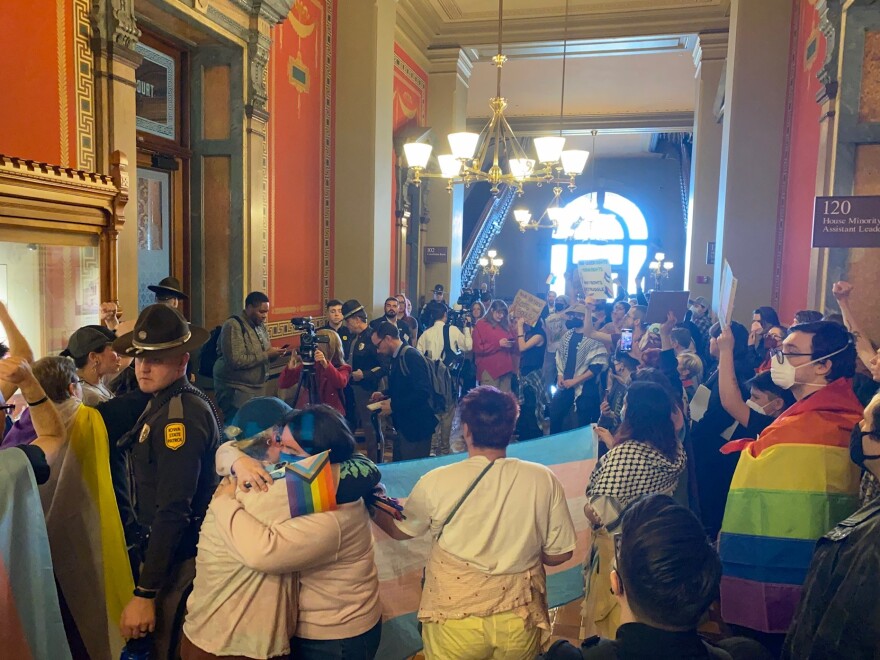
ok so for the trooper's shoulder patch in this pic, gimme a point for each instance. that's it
(175, 435)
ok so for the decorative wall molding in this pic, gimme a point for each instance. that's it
(83, 67)
(274, 11)
(258, 51)
(114, 22)
(711, 46)
(649, 122)
(829, 24)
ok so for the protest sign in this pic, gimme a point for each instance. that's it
(596, 279)
(527, 307)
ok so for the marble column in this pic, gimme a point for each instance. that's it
(709, 57)
(363, 151)
(450, 70)
(751, 149)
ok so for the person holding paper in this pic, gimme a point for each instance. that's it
(792, 484)
(713, 427)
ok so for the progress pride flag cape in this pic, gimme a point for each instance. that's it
(30, 625)
(790, 487)
(570, 457)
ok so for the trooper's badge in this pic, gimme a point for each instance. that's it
(361, 346)
(175, 435)
(145, 433)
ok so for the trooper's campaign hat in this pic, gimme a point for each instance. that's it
(169, 287)
(160, 331)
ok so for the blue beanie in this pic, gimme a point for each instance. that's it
(256, 416)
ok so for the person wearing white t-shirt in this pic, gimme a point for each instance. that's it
(496, 522)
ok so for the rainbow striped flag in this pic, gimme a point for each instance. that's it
(30, 625)
(85, 535)
(310, 485)
(790, 487)
(570, 457)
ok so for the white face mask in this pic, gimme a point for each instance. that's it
(785, 375)
(754, 406)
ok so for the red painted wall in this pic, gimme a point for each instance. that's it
(801, 162)
(300, 148)
(39, 92)
(410, 107)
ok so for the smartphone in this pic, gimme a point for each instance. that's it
(626, 340)
(285, 346)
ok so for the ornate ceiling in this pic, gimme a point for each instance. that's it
(473, 23)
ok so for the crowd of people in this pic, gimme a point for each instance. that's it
(197, 507)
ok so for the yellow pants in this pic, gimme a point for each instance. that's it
(496, 637)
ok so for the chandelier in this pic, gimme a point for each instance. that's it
(470, 151)
(555, 212)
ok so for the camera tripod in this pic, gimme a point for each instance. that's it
(307, 379)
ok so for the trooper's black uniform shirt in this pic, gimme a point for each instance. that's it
(172, 461)
(363, 355)
(405, 331)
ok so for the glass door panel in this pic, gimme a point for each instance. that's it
(153, 231)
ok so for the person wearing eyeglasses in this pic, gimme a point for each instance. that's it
(792, 484)
(839, 614)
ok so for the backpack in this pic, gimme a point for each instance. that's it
(442, 382)
(452, 359)
(211, 350)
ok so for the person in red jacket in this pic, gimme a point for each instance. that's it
(494, 347)
(331, 371)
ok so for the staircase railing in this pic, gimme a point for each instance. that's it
(489, 226)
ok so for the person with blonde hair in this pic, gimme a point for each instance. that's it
(690, 370)
(331, 371)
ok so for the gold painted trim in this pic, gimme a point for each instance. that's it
(61, 43)
(85, 86)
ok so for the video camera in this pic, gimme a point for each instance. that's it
(308, 340)
(460, 314)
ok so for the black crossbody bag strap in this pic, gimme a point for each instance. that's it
(463, 498)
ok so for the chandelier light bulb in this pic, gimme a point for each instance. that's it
(520, 168)
(484, 262)
(417, 154)
(654, 265)
(499, 262)
(492, 254)
(522, 216)
(450, 166)
(573, 161)
(659, 256)
(549, 148)
(463, 145)
(667, 265)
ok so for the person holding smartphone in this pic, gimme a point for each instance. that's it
(494, 346)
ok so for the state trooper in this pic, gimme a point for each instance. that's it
(367, 370)
(171, 456)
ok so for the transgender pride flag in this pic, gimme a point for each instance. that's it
(571, 458)
(30, 619)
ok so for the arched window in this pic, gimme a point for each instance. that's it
(614, 229)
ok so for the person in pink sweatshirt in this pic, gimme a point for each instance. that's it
(274, 583)
(495, 347)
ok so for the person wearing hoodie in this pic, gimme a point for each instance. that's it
(792, 484)
(278, 574)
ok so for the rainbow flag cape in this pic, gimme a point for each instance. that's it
(30, 625)
(85, 535)
(310, 485)
(790, 487)
(570, 457)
